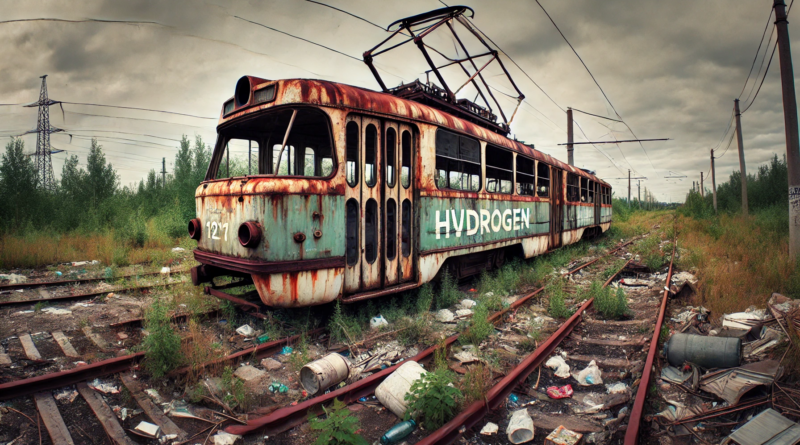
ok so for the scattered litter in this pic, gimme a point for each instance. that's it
(677, 411)
(467, 303)
(59, 273)
(286, 350)
(67, 394)
(56, 311)
(271, 364)
(178, 249)
(154, 395)
(246, 331)
(731, 384)
(165, 270)
(674, 375)
(321, 374)
(445, 316)
(704, 351)
(561, 367)
(179, 408)
(249, 373)
(105, 388)
(79, 263)
(13, 278)
(589, 376)
(392, 391)
(24, 312)
(78, 305)
(465, 356)
(560, 393)
(562, 436)
(633, 282)
(767, 427)
(377, 322)
(513, 398)
(263, 338)
(223, 438)
(166, 438)
(617, 388)
(743, 320)
(148, 428)
(278, 387)
(398, 432)
(463, 313)
(520, 427)
(489, 429)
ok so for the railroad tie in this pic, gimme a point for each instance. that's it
(64, 343)
(153, 412)
(43, 293)
(52, 420)
(29, 347)
(4, 358)
(96, 339)
(104, 415)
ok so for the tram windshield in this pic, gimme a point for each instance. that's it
(293, 142)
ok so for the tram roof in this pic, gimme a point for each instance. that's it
(333, 94)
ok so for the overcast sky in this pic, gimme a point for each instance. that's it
(671, 69)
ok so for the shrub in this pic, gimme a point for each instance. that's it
(235, 394)
(424, 298)
(612, 305)
(448, 291)
(163, 346)
(431, 401)
(557, 307)
(479, 327)
(476, 383)
(338, 427)
(342, 326)
(412, 330)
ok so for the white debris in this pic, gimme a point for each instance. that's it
(617, 388)
(489, 429)
(67, 394)
(589, 376)
(79, 263)
(178, 249)
(165, 270)
(742, 320)
(105, 388)
(466, 304)
(249, 373)
(465, 356)
(148, 428)
(444, 316)
(154, 395)
(55, 311)
(377, 322)
(463, 312)
(520, 427)
(166, 438)
(13, 278)
(245, 330)
(488, 294)
(223, 438)
(557, 362)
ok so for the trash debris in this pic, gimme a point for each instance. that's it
(56, 311)
(148, 428)
(246, 331)
(13, 278)
(675, 375)
(377, 322)
(560, 393)
(489, 429)
(68, 395)
(154, 395)
(562, 436)
(263, 338)
(59, 273)
(633, 282)
(444, 316)
(321, 374)
(465, 356)
(769, 339)
(286, 350)
(166, 438)
(467, 303)
(105, 388)
(520, 427)
(561, 367)
(707, 352)
(392, 391)
(223, 438)
(743, 320)
(589, 375)
(249, 373)
(617, 388)
(461, 313)
(178, 249)
(513, 398)
(677, 411)
(731, 384)
(398, 432)
(165, 270)
(79, 263)
(278, 387)
(271, 364)
(767, 427)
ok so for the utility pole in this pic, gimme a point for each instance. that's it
(702, 189)
(639, 192)
(44, 163)
(790, 126)
(629, 187)
(570, 156)
(163, 172)
(713, 181)
(741, 155)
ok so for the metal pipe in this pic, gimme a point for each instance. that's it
(283, 145)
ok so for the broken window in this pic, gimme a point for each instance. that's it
(573, 188)
(371, 231)
(592, 186)
(526, 176)
(391, 229)
(370, 152)
(351, 143)
(252, 146)
(499, 170)
(405, 173)
(458, 162)
(584, 189)
(352, 232)
(391, 145)
(405, 236)
(542, 180)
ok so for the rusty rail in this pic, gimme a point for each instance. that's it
(76, 280)
(632, 432)
(86, 295)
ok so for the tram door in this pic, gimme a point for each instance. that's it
(556, 207)
(398, 199)
(598, 199)
(363, 195)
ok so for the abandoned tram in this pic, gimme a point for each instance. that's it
(352, 194)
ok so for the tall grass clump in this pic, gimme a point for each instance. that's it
(557, 307)
(611, 304)
(433, 401)
(479, 327)
(343, 327)
(448, 291)
(163, 346)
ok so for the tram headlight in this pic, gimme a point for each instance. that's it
(194, 228)
(250, 234)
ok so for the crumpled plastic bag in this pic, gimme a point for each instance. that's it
(223, 438)
(377, 322)
(557, 362)
(559, 393)
(589, 376)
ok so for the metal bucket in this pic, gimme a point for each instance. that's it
(321, 374)
(392, 391)
(708, 352)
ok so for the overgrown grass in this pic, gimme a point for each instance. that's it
(163, 346)
(475, 383)
(479, 327)
(234, 391)
(608, 302)
(448, 291)
(432, 401)
(557, 307)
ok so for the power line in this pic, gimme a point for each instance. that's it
(49, 19)
(762, 79)
(761, 42)
(596, 115)
(140, 109)
(348, 13)
(760, 67)
(133, 118)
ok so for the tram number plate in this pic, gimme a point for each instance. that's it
(215, 228)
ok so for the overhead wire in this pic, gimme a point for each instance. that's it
(139, 109)
(761, 42)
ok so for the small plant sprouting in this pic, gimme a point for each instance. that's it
(338, 427)
(557, 307)
(612, 305)
(431, 401)
(479, 327)
(448, 291)
(235, 393)
(163, 346)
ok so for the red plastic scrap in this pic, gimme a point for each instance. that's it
(559, 393)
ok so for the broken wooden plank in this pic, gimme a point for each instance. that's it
(64, 343)
(96, 339)
(616, 322)
(4, 358)
(104, 415)
(603, 342)
(153, 412)
(549, 422)
(605, 361)
(29, 347)
(52, 420)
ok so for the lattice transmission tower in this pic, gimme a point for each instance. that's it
(44, 163)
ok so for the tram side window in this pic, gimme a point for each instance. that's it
(499, 170)
(391, 145)
(458, 162)
(351, 165)
(543, 180)
(353, 215)
(592, 186)
(526, 179)
(308, 150)
(573, 188)
(370, 152)
(584, 189)
(405, 173)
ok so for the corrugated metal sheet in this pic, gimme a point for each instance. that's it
(767, 428)
(731, 384)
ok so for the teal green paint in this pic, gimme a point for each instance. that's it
(538, 216)
(578, 216)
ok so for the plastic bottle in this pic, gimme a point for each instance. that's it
(398, 432)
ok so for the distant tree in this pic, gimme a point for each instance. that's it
(18, 186)
(101, 178)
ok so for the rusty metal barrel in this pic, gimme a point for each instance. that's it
(321, 374)
(708, 352)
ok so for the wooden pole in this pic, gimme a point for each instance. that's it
(570, 155)
(741, 156)
(713, 181)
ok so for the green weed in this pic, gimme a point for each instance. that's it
(163, 346)
(338, 427)
(431, 401)
(557, 307)
(448, 291)
(342, 327)
(479, 327)
(612, 305)
(235, 393)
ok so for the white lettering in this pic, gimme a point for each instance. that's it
(485, 216)
(472, 229)
(496, 227)
(516, 218)
(507, 220)
(527, 217)
(440, 225)
(458, 224)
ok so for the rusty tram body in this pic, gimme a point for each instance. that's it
(376, 192)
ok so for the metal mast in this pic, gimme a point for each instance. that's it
(44, 164)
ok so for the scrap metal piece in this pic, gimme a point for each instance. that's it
(768, 427)
(731, 384)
